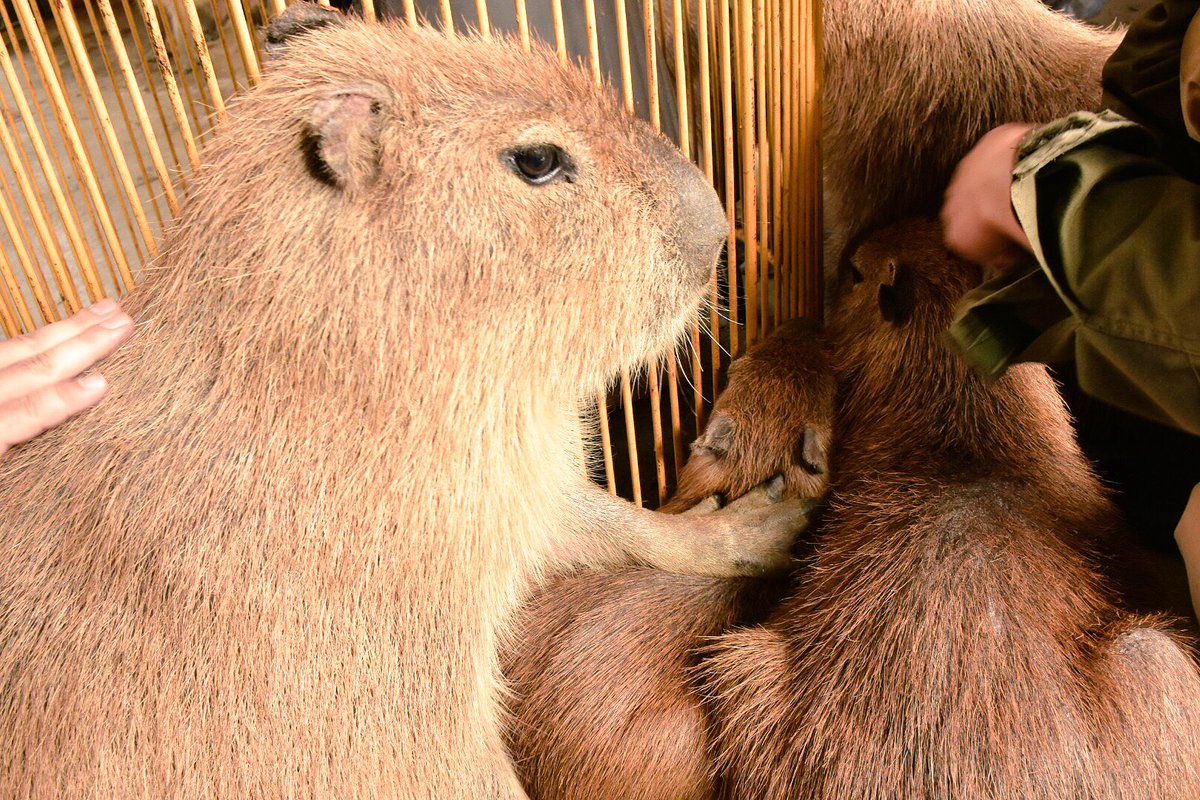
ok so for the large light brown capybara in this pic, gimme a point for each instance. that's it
(949, 632)
(278, 560)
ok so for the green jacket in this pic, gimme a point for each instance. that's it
(1112, 209)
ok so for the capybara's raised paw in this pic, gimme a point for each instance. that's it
(774, 418)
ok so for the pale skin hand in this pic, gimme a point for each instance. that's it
(1187, 536)
(977, 216)
(40, 373)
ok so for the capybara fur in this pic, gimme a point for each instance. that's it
(605, 705)
(277, 561)
(911, 86)
(948, 632)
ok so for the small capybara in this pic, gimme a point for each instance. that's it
(277, 561)
(948, 633)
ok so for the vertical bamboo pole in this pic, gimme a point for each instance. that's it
(560, 35)
(139, 105)
(523, 23)
(152, 86)
(75, 42)
(112, 83)
(749, 167)
(775, 109)
(368, 7)
(610, 476)
(51, 80)
(685, 145)
(60, 11)
(80, 157)
(730, 165)
(626, 385)
(168, 78)
(246, 43)
(447, 16)
(762, 171)
(410, 12)
(21, 309)
(813, 179)
(706, 149)
(33, 274)
(230, 64)
(200, 44)
(178, 51)
(485, 25)
(654, 370)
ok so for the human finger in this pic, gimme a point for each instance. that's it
(41, 340)
(24, 417)
(65, 359)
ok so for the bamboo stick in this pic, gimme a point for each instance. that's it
(601, 398)
(168, 78)
(761, 168)
(45, 234)
(485, 25)
(589, 10)
(178, 51)
(75, 42)
(112, 83)
(410, 12)
(560, 35)
(230, 63)
(152, 86)
(725, 60)
(775, 107)
(447, 16)
(8, 313)
(246, 43)
(706, 157)
(749, 168)
(368, 7)
(33, 275)
(200, 44)
(98, 121)
(21, 308)
(523, 23)
(685, 146)
(623, 54)
(139, 105)
(54, 78)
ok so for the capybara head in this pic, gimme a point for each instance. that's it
(466, 202)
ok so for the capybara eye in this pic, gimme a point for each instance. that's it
(540, 164)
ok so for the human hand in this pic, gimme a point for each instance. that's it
(978, 222)
(40, 381)
(1187, 536)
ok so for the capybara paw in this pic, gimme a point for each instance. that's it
(759, 529)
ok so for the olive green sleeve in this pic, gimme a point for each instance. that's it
(1116, 285)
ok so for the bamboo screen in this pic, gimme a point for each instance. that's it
(105, 104)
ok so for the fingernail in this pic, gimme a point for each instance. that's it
(103, 307)
(93, 381)
(117, 323)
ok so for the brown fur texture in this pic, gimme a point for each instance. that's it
(278, 560)
(605, 706)
(911, 86)
(949, 633)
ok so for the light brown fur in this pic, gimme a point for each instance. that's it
(278, 559)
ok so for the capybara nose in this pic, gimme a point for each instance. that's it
(700, 227)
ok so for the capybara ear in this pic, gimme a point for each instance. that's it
(342, 139)
(811, 453)
(298, 18)
(896, 293)
(717, 436)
